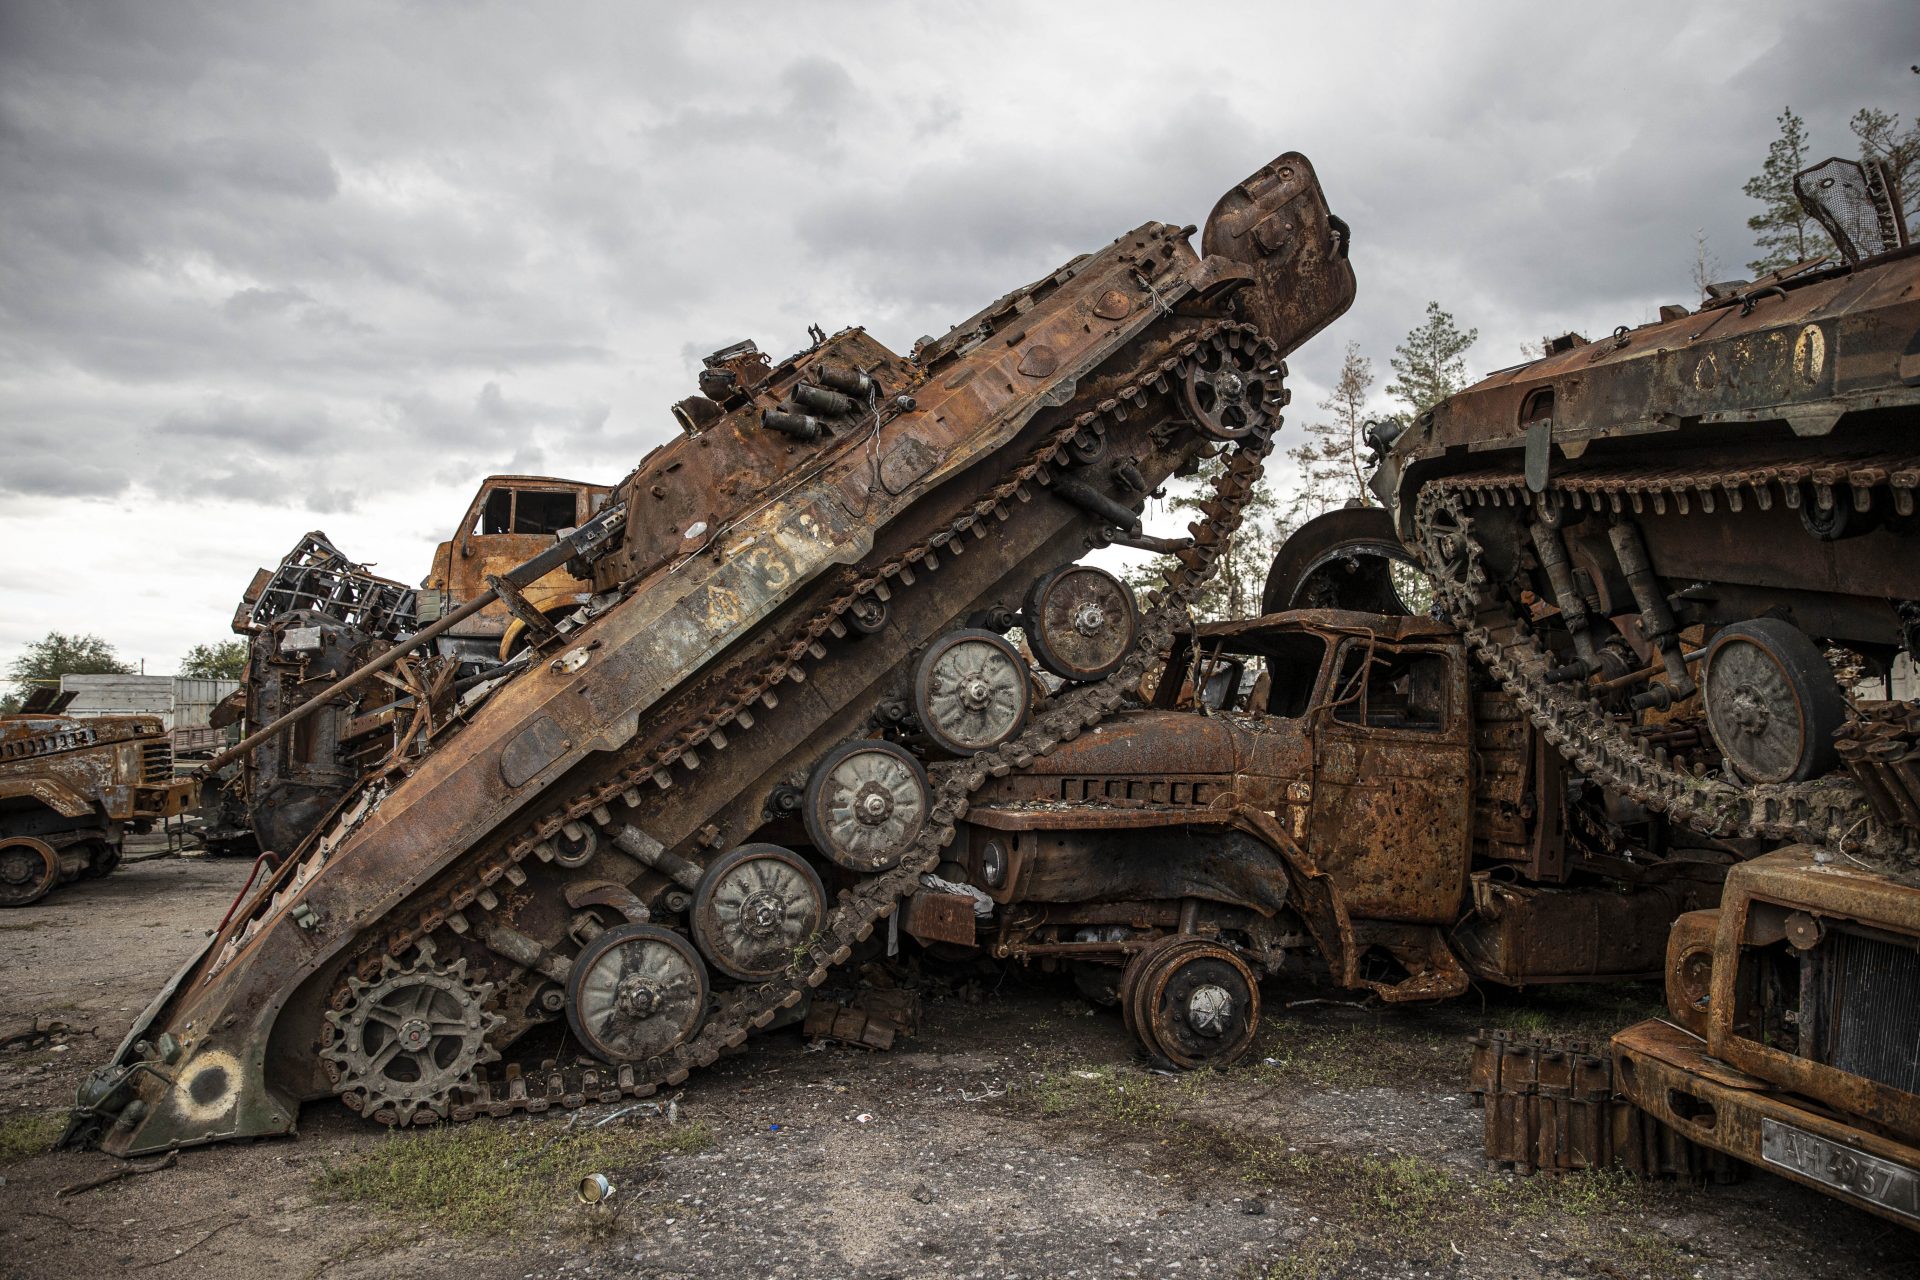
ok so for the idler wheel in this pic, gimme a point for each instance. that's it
(1772, 702)
(971, 691)
(1227, 392)
(1192, 1002)
(866, 804)
(635, 992)
(754, 907)
(1081, 622)
(28, 869)
(1347, 559)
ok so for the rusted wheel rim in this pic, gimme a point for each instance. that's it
(971, 691)
(866, 804)
(1226, 392)
(635, 992)
(754, 907)
(28, 868)
(1201, 1005)
(1081, 622)
(1772, 701)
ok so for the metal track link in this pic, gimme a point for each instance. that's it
(1831, 813)
(860, 909)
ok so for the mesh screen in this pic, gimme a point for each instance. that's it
(1853, 204)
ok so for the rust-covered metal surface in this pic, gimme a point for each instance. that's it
(1318, 789)
(1793, 1028)
(70, 789)
(793, 646)
(1653, 540)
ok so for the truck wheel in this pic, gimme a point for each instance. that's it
(971, 691)
(28, 868)
(754, 907)
(1194, 1003)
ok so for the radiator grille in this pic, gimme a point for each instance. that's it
(156, 763)
(1872, 1010)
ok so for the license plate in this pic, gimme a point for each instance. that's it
(1836, 1165)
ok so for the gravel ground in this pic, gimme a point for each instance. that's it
(1015, 1135)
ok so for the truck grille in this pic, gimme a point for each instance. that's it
(156, 763)
(1872, 1013)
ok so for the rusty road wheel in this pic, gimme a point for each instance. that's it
(1772, 701)
(635, 992)
(1081, 622)
(754, 907)
(971, 691)
(866, 804)
(28, 868)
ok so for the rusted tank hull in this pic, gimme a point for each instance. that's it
(659, 734)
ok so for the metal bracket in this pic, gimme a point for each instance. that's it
(540, 632)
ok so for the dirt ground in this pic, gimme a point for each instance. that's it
(1015, 1136)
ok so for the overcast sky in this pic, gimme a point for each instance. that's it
(263, 272)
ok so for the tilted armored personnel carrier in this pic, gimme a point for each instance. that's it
(798, 607)
(1691, 552)
(71, 787)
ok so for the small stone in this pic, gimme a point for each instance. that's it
(923, 1193)
(1253, 1208)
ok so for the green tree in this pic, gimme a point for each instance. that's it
(1881, 139)
(1429, 366)
(226, 660)
(1331, 471)
(45, 661)
(1783, 233)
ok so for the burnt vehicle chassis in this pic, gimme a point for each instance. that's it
(71, 787)
(797, 610)
(1366, 809)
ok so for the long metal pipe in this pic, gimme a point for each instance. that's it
(520, 575)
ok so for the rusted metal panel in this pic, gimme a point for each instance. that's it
(939, 917)
(1520, 934)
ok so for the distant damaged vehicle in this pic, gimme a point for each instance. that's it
(570, 888)
(72, 788)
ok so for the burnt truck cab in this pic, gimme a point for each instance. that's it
(1318, 791)
(1793, 1035)
(510, 520)
(70, 789)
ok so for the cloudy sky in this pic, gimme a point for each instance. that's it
(266, 269)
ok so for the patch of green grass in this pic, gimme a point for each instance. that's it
(1357, 1055)
(495, 1178)
(1590, 1011)
(29, 1133)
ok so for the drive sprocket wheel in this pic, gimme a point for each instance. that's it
(407, 1039)
(1230, 392)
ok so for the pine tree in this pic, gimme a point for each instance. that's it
(1782, 230)
(1881, 139)
(1429, 366)
(1331, 472)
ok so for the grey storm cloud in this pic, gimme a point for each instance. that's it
(315, 258)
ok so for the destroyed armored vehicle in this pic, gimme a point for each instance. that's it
(1691, 552)
(72, 787)
(1313, 794)
(798, 606)
(1653, 540)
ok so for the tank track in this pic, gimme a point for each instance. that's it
(860, 909)
(1832, 813)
